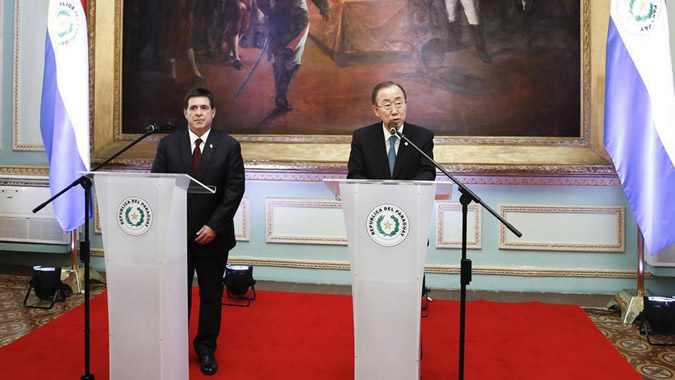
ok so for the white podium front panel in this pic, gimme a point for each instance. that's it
(387, 230)
(144, 226)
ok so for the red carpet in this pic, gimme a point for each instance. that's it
(309, 336)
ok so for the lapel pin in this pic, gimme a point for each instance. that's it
(211, 146)
(405, 143)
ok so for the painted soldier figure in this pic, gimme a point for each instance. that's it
(471, 10)
(178, 39)
(288, 29)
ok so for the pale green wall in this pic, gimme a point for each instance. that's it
(488, 256)
(8, 157)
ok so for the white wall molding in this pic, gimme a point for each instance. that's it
(449, 225)
(242, 221)
(304, 221)
(564, 228)
(432, 268)
(253, 174)
(443, 269)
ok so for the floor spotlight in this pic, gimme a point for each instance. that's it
(46, 282)
(239, 284)
(659, 318)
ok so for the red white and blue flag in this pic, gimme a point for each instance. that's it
(64, 112)
(640, 115)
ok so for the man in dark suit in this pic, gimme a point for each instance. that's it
(213, 158)
(377, 154)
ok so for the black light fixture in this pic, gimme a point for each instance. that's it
(239, 284)
(46, 282)
(658, 318)
(426, 297)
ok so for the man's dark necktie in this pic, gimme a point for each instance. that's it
(392, 154)
(196, 155)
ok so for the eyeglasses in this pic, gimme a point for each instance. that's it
(389, 106)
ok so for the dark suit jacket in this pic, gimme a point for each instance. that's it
(369, 160)
(222, 166)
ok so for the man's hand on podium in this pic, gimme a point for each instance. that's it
(205, 235)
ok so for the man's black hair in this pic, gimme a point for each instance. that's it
(196, 93)
(385, 84)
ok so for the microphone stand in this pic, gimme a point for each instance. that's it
(86, 184)
(467, 197)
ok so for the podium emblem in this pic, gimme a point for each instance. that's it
(134, 216)
(387, 225)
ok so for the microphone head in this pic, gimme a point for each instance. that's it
(159, 126)
(393, 128)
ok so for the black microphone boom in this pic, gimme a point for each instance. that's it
(465, 264)
(159, 126)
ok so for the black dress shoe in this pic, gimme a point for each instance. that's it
(282, 105)
(208, 365)
(198, 78)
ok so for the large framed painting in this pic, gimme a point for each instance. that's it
(506, 85)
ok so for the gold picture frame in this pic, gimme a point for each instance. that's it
(580, 156)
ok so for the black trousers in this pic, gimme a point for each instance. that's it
(210, 270)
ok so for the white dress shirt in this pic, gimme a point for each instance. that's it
(194, 138)
(387, 135)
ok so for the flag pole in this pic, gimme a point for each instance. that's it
(73, 249)
(73, 272)
(641, 265)
(629, 301)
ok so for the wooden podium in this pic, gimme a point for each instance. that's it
(144, 225)
(387, 225)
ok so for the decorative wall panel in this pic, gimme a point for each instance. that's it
(304, 221)
(30, 28)
(242, 221)
(564, 228)
(449, 225)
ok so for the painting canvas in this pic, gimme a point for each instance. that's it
(296, 67)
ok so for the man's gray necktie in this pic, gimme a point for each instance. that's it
(392, 154)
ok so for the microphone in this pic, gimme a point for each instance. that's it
(160, 126)
(393, 128)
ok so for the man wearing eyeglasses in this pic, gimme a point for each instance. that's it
(377, 154)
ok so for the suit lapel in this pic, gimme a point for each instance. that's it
(185, 152)
(405, 151)
(380, 152)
